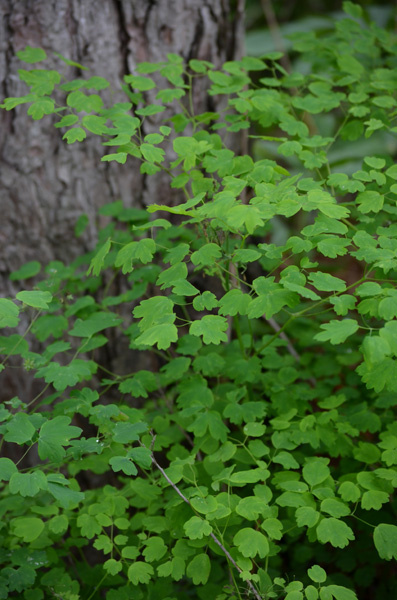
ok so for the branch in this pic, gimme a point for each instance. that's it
(212, 535)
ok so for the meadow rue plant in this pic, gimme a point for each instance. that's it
(256, 457)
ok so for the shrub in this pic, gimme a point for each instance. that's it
(256, 456)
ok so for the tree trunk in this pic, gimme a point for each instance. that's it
(46, 185)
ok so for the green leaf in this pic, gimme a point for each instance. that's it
(89, 526)
(173, 275)
(27, 528)
(333, 246)
(142, 251)
(317, 574)
(140, 572)
(8, 313)
(124, 464)
(124, 433)
(385, 540)
(327, 283)
(35, 299)
(143, 84)
(251, 542)
(113, 566)
(353, 9)
(31, 55)
(234, 302)
(196, 528)
(204, 505)
(142, 456)
(388, 306)
(96, 264)
(250, 507)
(334, 507)
(155, 549)
(151, 153)
(157, 318)
(337, 591)
(59, 524)
(65, 497)
(306, 515)
(273, 528)
(271, 298)
(334, 531)
(207, 255)
(315, 472)
(162, 335)
(76, 134)
(95, 124)
(206, 301)
(336, 331)
(370, 201)
(119, 157)
(54, 435)
(19, 429)
(7, 469)
(94, 323)
(374, 499)
(28, 270)
(62, 377)
(199, 569)
(342, 304)
(42, 106)
(212, 329)
(28, 484)
(349, 491)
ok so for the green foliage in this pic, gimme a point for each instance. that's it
(255, 454)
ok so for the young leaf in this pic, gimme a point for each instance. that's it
(142, 251)
(212, 329)
(334, 531)
(7, 469)
(385, 540)
(140, 572)
(122, 463)
(27, 528)
(35, 299)
(28, 484)
(317, 574)
(315, 472)
(324, 282)
(199, 569)
(337, 332)
(251, 543)
(28, 270)
(94, 323)
(31, 55)
(197, 528)
(97, 262)
(54, 435)
(8, 313)
(19, 429)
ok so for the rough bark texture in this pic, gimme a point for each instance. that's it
(44, 184)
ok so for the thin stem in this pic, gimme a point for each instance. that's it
(45, 388)
(276, 335)
(23, 455)
(97, 587)
(21, 338)
(212, 535)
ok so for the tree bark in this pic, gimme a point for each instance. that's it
(46, 185)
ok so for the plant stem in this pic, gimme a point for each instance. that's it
(212, 535)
